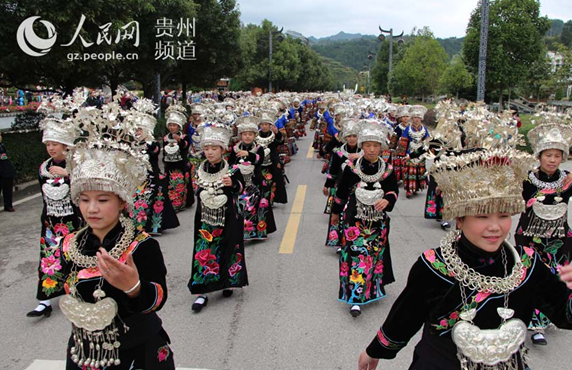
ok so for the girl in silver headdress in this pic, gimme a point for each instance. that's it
(365, 193)
(59, 215)
(218, 253)
(343, 155)
(414, 177)
(547, 191)
(253, 203)
(175, 147)
(114, 275)
(474, 294)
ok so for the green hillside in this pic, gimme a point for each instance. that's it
(342, 74)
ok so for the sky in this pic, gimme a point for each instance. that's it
(320, 18)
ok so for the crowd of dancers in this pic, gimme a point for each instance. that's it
(106, 196)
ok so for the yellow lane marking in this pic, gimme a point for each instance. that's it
(289, 239)
(310, 154)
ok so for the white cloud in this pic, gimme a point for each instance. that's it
(319, 18)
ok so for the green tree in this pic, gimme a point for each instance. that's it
(514, 42)
(456, 77)
(566, 35)
(561, 77)
(538, 80)
(421, 67)
(294, 65)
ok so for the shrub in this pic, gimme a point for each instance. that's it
(26, 152)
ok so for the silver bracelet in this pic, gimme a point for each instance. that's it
(134, 287)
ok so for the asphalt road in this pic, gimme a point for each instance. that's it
(288, 318)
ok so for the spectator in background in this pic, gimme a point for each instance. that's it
(7, 174)
(516, 117)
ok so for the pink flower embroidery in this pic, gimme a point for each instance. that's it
(163, 353)
(234, 269)
(158, 206)
(61, 229)
(248, 225)
(50, 265)
(548, 191)
(333, 235)
(141, 216)
(529, 251)
(454, 315)
(430, 255)
(264, 203)
(531, 201)
(140, 204)
(378, 267)
(352, 233)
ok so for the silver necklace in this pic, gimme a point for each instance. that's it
(547, 185)
(44, 172)
(474, 280)
(370, 178)
(84, 261)
(265, 141)
(417, 135)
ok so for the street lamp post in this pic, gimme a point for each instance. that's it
(483, 51)
(390, 33)
(370, 56)
(270, 34)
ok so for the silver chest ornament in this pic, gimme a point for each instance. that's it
(57, 198)
(366, 200)
(213, 199)
(172, 151)
(547, 220)
(493, 348)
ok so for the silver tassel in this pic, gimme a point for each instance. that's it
(247, 179)
(58, 208)
(511, 364)
(214, 217)
(545, 228)
(103, 347)
(368, 213)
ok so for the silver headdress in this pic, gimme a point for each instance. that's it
(402, 111)
(198, 108)
(371, 130)
(482, 182)
(338, 108)
(247, 124)
(107, 157)
(553, 132)
(417, 111)
(349, 127)
(143, 119)
(216, 134)
(267, 116)
(58, 130)
(176, 114)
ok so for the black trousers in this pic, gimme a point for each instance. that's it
(6, 187)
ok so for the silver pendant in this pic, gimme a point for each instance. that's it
(468, 315)
(505, 313)
(89, 316)
(489, 346)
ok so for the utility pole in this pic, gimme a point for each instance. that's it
(381, 37)
(270, 34)
(483, 51)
